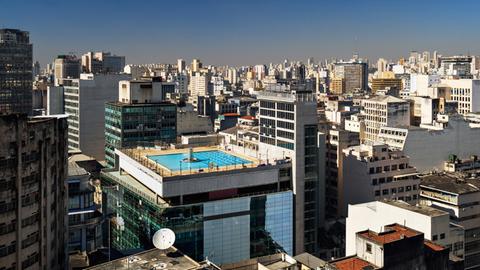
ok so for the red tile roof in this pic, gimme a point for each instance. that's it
(433, 246)
(231, 114)
(352, 263)
(392, 233)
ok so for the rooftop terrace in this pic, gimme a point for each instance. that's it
(177, 162)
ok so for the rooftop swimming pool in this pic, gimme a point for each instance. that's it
(202, 160)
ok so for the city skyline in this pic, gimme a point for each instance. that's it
(226, 33)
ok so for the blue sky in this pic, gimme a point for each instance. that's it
(245, 32)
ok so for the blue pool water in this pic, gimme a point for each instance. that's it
(175, 162)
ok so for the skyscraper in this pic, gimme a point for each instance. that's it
(288, 128)
(354, 73)
(15, 71)
(33, 168)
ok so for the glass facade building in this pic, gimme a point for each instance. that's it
(130, 125)
(225, 231)
(15, 71)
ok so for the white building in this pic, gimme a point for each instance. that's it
(84, 101)
(429, 146)
(383, 111)
(466, 92)
(433, 223)
(375, 172)
(199, 85)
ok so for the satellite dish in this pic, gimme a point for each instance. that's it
(163, 239)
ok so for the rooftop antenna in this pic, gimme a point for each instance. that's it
(163, 239)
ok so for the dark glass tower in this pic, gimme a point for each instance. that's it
(15, 71)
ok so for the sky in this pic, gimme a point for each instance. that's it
(247, 32)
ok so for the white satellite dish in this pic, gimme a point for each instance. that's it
(163, 239)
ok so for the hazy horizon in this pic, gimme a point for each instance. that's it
(246, 33)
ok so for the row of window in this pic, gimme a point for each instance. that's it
(375, 170)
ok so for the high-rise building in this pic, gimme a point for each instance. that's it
(180, 65)
(140, 117)
(15, 71)
(196, 65)
(102, 62)
(33, 207)
(288, 128)
(84, 101)
(67, 67)
(354, 73)
(383, 111)
(337, 140)
(199, 85)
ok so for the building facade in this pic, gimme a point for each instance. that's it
(33, 207)
(15, 71)
(289, 129)
(460, 196)
(375, 172)
(84, 101)
(250, 214)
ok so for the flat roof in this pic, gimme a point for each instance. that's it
(393, 233)
(451, 183)
(421, 209)
(172, 162)
(154, 259)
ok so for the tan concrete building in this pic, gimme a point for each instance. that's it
(33, 169)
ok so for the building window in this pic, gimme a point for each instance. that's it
(385, 192)
(377, 192)
(442, 236)
(435, 237)
(394, 190)
(368, 248)
(374, 182)
(372, 170)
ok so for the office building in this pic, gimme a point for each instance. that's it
(67, 67)
(375, 172)
(459, 195)
(102, 62)
(15, 87)
(337, 86)
(140, 117)
(434, 223)
(33, 207)
(354, 74)
(382, 111)
(456, 66)
(221, 205)
(288, 129)
(386, 83)
(84, 101)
